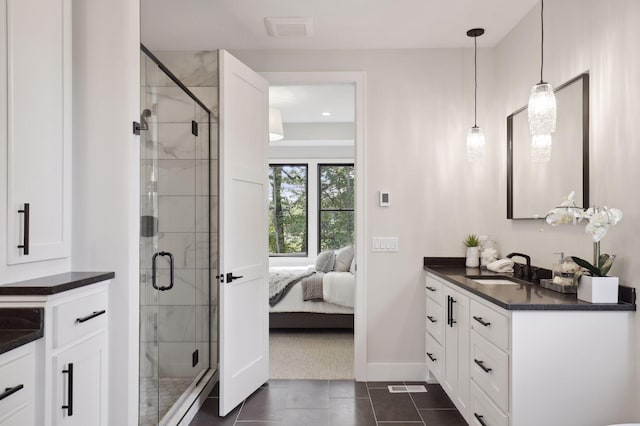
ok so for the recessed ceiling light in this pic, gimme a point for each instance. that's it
(326, 114)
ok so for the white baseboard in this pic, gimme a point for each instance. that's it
(388, 372)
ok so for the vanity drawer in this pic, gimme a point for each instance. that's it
(490, 370)
(490, 324)
(433, 287)
(17, 378)
(433, 356)
(435, 321)
(79, 317)
(483, 412)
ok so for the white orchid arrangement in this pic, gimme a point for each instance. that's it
(600, 218)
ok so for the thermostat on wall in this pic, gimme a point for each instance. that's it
(384, 199)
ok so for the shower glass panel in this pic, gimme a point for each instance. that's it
(175, 244)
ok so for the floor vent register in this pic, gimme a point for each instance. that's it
(406, 389)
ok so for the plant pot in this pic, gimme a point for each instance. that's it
(598, 289)
(473, 257)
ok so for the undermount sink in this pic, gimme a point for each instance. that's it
(493, 281)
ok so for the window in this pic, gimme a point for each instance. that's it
(288, 209)
(335, 206)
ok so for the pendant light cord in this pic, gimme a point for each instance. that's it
(542, 39)
(475, 74)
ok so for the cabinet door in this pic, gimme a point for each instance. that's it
(21, 417)
(85, 389)
(456, 348)
(38, 128)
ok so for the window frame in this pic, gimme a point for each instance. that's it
(319, 201)
(306, 209)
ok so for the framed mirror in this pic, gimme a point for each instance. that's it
(533, 188)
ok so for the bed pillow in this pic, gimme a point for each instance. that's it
(325, 261)
(344, 256)
(352, 268)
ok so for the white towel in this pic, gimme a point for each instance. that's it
(502, 265)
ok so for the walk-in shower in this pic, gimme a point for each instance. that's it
(178, 243)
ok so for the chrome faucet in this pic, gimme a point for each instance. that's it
(526, 274)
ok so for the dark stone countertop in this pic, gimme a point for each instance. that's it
(54, 284)
(19, 326)
(524, 296)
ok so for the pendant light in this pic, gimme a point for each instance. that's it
(475, 137)
(542, 102)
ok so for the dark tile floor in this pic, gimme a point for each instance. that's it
(334, 403)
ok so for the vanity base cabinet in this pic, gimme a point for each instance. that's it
(79, 381)
(75, 334)
(540, 367)
(17, 373)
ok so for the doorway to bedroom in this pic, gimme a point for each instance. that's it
(312, 230)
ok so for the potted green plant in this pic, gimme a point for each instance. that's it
(472, 242)
(594, 285)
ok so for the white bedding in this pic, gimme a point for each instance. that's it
(335, 288)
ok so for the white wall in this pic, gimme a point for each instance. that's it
(419, 107)
(106, 100)
(599, 37)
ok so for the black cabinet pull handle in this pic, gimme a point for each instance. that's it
(430, 318)
(10, 391)
(431, 288)
(91, 316)
(69, 406)
(154, 271)
(431, 357)
(25, 238)
(481, 364)
(451, 302)
(480, 419)
(479, 319)
(448, 310)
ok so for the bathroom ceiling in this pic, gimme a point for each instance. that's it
(337, 24)
(307, 103)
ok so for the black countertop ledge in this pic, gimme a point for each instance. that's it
(19, 326)
(54, 284)
(523, 297)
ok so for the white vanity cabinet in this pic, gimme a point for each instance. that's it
(532, 367)
(35, 149)
(18, 386)
(447, 339)
(72, 359)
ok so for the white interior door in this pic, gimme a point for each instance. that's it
(244, 316)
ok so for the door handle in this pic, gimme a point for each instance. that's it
(231, 277)
(91, 316)
(479, 319)
(451, 302)
(480, 419)
(481, 365)
(25, 238)
(154, 271)
(430, 318)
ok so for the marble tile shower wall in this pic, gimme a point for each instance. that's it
(177, 322)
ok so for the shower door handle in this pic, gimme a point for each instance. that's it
(154, 270)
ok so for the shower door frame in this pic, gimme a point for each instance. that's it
(189, 398)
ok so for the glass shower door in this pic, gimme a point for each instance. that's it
(174, 244)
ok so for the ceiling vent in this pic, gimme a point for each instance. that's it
(289, 27)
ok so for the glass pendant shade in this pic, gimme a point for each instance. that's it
(475, 144)
(542, 110)
(541, 148)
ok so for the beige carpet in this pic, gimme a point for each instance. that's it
(311, 354)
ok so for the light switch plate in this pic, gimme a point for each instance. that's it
(385, 244)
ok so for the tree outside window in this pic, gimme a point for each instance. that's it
(288, 209)
(336, 206)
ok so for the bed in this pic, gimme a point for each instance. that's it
(334, 311)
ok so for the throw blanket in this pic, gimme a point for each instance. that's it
(312, 287)
(281, 283)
